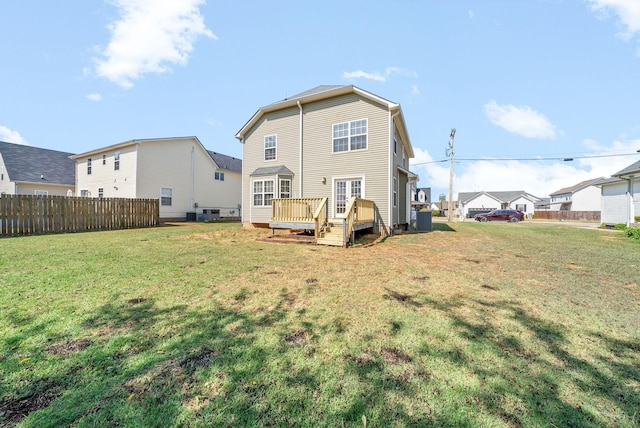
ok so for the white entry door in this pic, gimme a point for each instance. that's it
(345, 190)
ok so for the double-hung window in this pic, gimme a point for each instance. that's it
(116, 161)
(166, 196)
(89, 166)
(270, 142)
(348, 136)
(262, 193)
(285, 188)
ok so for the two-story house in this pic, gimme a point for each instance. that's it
(189, 180)
(331, 145)
(584, 196)
(28, 170)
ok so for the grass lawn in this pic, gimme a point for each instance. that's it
(477, 325)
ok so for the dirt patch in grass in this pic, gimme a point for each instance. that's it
(13, 411)
(67, 348)
(136, 300)
(394, 356)
(402, 298)
(297, 337)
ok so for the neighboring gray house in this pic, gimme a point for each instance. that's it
(28, 170)
(584, 196)
(326, 146)
(472, 203)
(621, 196)
(421, 198)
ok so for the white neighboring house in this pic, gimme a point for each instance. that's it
(27, 170)
(584, 196)
(471, 203)
(186, 177)
(621, 196)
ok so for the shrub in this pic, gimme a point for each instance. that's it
(633, 232)
(620, 226)
(637, 219)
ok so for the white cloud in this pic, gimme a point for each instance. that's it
(10, 136)
(149, 37)
(94, 97)
(471, 14)
(415, 90)
(539, 177)
(521, 120)
(388, 73)
(628, 12)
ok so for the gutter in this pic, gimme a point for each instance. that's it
(301, 140)
(391, 172)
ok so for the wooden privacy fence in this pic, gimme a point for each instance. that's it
(32, 215)
(567, 215)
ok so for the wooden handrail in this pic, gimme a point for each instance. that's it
(320, 218)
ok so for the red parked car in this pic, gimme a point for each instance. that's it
(513, 216)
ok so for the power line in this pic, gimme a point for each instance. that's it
(564, 158)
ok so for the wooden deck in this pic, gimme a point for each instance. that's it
(312, 214)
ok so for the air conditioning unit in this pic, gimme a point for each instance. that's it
(210, 214)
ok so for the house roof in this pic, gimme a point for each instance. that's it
(37, 165)
(272, 170)
(501, 196)
(226, 162)
(324, 92)
(577, 187)
(634, 168)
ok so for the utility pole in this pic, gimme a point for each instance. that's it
(450, 154)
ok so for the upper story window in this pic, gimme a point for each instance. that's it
(104, 159)
(219, 176)
(349, 136)
(116, 161)
(270, 142)
(395, 146)
(89, 166)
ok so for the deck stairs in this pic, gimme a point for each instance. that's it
(332, 233)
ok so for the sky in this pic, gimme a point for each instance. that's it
(526, 83)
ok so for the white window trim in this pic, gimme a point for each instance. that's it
(275, 147)
(219, 176)
(263, 193)
(163, 196)
(349, 136)
(280, 180)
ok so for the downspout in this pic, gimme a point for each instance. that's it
(192, 175)
(242, 205)
(391, 172)
(300, 134)
(630, 206)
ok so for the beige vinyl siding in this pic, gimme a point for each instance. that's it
(116, 183)
(23, 188)
(372, 164)
(284, 125)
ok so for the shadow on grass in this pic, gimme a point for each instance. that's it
(442, 227)
(141, 365)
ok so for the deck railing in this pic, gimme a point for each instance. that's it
(320, 217)
(294, 209)
(358, 211)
